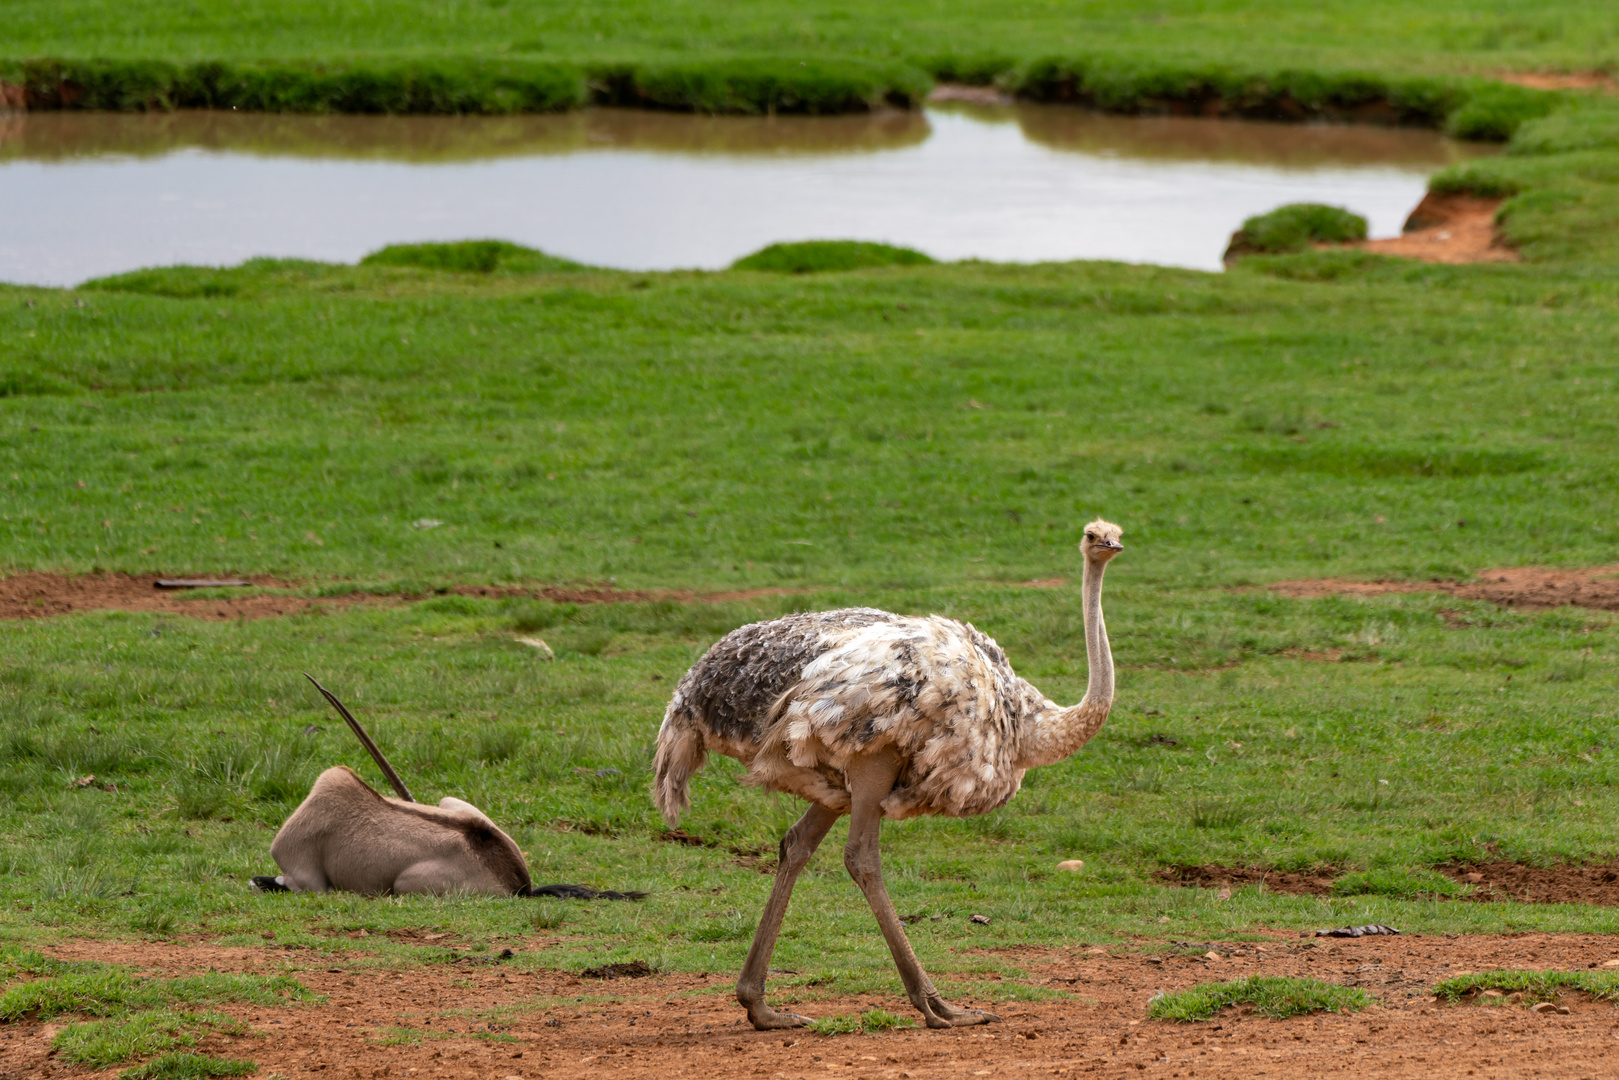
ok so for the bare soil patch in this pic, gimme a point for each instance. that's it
(1448, 229)
(1539, 884)
(507, 1019)
(973, 95)
(39, 595)
(1493, 881)
(36, 595)
(1560, 80)
(1213, 876)
(1530, 587)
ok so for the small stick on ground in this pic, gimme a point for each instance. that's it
(365, 740)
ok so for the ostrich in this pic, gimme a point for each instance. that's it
(874, 715)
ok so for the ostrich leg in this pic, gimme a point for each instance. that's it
(870, 780)
(796, 848)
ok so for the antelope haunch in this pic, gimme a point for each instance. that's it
(345, 835)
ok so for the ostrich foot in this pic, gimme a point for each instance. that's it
(764, 1018)
(950, 1016)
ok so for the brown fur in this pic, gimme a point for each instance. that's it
(347, 836)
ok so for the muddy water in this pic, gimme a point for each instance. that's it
(93, 194)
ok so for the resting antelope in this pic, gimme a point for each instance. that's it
(346, 835)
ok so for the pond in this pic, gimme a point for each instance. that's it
(91, 194)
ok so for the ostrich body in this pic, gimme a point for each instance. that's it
(874, 715)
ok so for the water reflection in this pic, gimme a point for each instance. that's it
(64, 136)
(1254, 142)
(647, 190)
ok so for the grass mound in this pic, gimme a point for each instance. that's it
(1411, 884)
(868, 1022)
(468, 85)
(817, 256)
(138, 1014)
(100, 1044)
(1535, 986)
(771, 84)
(103, 991)
(451, 85)
(182, 1065)
(469, 256)
(1269, 995)
(1295, 227)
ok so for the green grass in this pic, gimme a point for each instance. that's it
(469, 256)
(974, 39)
(101, 990)
(819, 256)
(1270, 996)
(867, 1023)
(1534, 986)
(1348, 59)
(100, 1044)
(918, 437)
(1295, 227)
(1414, 883)
(141, 1017)
(182, 1065)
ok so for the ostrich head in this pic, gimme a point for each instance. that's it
(1101, 541)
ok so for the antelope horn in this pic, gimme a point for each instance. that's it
(365, 741)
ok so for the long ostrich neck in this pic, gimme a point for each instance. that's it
(1059, 733)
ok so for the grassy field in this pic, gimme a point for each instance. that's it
(1354, 59)
(918, 437)
(1445, 36)
(922, 438)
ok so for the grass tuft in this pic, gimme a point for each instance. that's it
(183, 1065)
(1409, 884)
(100, 1044)
(816, 256)
(1269, 995)
(108, 990)
(869, 1022)
(1295, 227)
(1535, 986)
(469, 257)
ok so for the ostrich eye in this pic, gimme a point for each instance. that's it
(1091, 537)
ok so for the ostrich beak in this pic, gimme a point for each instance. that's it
(1109, 545)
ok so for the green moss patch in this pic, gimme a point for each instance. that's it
(815, 256)
(1269, 995)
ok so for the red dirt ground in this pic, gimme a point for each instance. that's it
(1493, 881)
(1529, 587)
(688, 1026)
(1448, 229)
(37, 595)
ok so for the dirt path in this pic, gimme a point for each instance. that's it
(551, 1024)
(1448, 229)
(35, 595)
(1519, 586)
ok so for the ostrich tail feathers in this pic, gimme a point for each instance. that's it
(681, 752)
